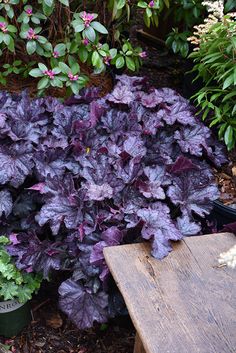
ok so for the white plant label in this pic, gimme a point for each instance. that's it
(10, 305)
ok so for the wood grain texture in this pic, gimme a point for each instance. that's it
(138, 346)
(184, 303)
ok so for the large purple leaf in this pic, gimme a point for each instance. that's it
(81, 305)
(60, 210)
(121, 95)
(16, 163)
(194, 191)
(193, 140)
(179, 112)
(159, 227)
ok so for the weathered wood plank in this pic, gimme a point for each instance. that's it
(184, 303)
(138, 346)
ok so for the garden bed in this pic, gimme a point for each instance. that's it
(50, 330)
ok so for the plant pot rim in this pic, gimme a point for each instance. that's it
(220, 206)
(7, 306)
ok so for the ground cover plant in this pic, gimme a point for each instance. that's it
(90, 173)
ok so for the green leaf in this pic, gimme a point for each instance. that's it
(12, 29)
(95, 58)
(83, 54)
(90, 34)
(78, 25)
(31, 47)
(64, 68)
(42, 67)
(120, 4)
(120, 62)
(142, 4)
(228, 137)
(99, 27)
(148, 12)
(75, 87)
(65, 2)
(36, 73)
(130, 63)
(43, 83)
(60, 48)
(49, 3)
(229, 81)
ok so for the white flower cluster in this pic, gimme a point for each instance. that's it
(215, 10)
(215, 7)
(229, 257)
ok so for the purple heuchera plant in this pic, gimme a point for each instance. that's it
(99, 172)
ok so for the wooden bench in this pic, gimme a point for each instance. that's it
(185, 303)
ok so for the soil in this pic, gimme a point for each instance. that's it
(226, 179)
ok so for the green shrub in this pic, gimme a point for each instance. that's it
(60, 35)
(214, 62)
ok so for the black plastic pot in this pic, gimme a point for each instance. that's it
(223, 214)
(13, 317)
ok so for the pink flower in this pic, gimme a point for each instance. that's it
(85, 41)
(143, 54)
(55, 54)
(3, 27)
(151, 3)
(87, 18)
(50, 73)
(72, 77)
(31, 34)
(107, 60)
(29, 12)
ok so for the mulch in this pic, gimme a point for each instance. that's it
(51, 332)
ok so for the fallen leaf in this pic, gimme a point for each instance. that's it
(55, 321)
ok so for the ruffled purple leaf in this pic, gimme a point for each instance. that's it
(187, 226)
(194, 191)
(81, 305)
(159, 227)
(179, 113)
(193, 140)
(121, 95)
(16, 163)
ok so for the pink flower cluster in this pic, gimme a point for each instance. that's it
(151, 3)
(85, 41)
(50, 73)
(29, 12)
(55, 54)
(31, 34)
(107, 60)
(143, 54)
(72, 77)
(3, 27)
(87, 18)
